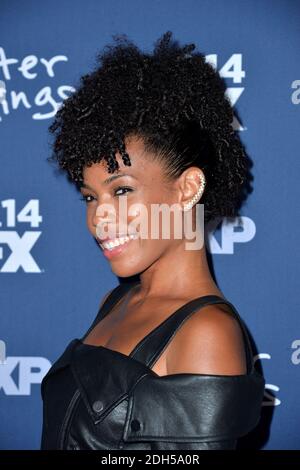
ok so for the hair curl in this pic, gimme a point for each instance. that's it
(173, 99)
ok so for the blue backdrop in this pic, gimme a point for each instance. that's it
(53, 277)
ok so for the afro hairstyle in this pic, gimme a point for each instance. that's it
(173, 99)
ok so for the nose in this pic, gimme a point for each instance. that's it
(104, 213)
(104, 224)
(107, 220)
(104, 230)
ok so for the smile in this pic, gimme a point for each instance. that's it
(116, 246)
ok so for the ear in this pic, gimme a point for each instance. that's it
(188, 183)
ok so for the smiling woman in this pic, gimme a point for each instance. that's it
(167, 362)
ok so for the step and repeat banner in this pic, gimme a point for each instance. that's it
(53, 276)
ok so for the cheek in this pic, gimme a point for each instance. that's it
(142, 254)
(152, 222)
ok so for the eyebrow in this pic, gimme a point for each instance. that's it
(108, 180)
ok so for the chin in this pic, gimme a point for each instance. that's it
(124, 272)
(127, 266)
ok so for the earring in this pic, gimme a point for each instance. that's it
(197, 196)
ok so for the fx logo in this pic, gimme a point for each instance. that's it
(20, 246)
(2, 352)
(20, 251)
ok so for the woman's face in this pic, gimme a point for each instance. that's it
(145, 184)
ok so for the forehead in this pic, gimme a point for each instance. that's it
(143, 164)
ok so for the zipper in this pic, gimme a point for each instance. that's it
(66, 420)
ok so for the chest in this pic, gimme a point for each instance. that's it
(122, 332)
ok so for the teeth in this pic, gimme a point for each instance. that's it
(118, 241)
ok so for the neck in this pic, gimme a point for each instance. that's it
(192, 274)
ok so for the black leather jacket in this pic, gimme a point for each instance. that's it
(97, 398)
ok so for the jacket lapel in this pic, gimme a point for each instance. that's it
(105, 377)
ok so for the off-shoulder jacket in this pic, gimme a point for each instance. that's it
(98, 398)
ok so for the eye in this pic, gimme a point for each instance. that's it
(123, 188)
(85, 198)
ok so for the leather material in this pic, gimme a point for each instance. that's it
(97, 398)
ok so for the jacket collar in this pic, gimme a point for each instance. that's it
(205, 407)
(194, 407)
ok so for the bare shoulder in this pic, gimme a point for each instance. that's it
(210, 341)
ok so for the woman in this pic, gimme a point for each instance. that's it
(167, 363)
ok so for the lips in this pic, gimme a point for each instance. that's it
(112, 251)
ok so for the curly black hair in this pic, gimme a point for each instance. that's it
(173, 99)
